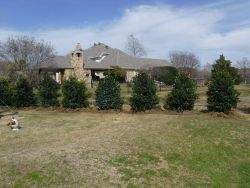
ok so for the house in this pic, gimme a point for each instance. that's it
(92, 62)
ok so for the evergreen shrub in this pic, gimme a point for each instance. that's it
(144, 95)
(48, 92)
(108, 94)
(183, 94)
(75, 93)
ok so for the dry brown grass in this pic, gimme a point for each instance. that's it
(93, 149)
(84, 142)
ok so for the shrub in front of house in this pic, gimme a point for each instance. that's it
(75, 94)
(221, 95)
(6, 92)
(108, 94)
(48, 92)
(183, 94)
(222, 64)
(23, 94)
(143, 93)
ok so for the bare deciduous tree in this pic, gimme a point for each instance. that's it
(4, 68)
(24, 54)
(207, 70)
(185, 61)
(244, 66)
(135, 47)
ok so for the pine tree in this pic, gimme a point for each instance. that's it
(75, 94)
(143, 93)
(23, 95)
(48, 92)
(222, 64)
(183, 95)
(108, 94)
(221, 95)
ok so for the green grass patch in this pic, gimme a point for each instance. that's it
(128, 174)
(244, 172)
(148, 174)
(173, 157)
(123, 160)
(18, 185)
(146, 157)
(164, 173)
(131, 185)
(35, 177)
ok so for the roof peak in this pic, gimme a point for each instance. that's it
(101, 44)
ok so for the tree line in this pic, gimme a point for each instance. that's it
(222, 96)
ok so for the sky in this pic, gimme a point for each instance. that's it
(206, 28)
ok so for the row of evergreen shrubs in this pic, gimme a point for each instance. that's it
(20, 94)
(221, 93)
(74, 93)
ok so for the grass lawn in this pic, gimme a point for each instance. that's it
(92, 149)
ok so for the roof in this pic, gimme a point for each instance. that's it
(101, 56)
(57, 62)
(117, 57)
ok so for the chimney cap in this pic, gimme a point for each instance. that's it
(78, 46)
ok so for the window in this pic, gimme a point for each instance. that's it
(78, 54)
(98, 59)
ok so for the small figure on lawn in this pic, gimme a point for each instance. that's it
(13, 124)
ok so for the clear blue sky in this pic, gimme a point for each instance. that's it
(206, 28)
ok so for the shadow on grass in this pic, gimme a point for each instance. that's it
(245, 110)
(204, 111)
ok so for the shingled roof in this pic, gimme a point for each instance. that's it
(101, 56)
(57, 62)
(116, 57)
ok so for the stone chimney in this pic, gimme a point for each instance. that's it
(78, 64)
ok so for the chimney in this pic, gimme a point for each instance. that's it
(78, 46)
